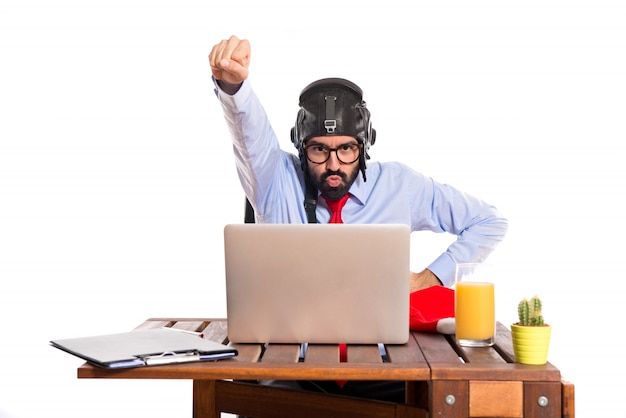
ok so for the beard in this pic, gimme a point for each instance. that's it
(335, 193)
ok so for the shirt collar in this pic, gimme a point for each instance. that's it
(361, 190)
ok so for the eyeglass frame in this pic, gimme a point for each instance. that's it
(359, 147)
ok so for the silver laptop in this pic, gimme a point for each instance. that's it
(329, 283)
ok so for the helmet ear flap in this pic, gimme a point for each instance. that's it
(293, 135)
(295, 132)
(369, 132)
(297, 141)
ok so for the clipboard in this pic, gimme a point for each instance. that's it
(140, 348)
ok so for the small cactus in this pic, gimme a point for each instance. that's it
(529, 312)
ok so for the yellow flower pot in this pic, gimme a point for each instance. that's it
(530, 344)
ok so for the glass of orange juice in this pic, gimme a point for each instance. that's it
(475, 316)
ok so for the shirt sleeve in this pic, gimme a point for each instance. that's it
(255, 145)
(478, 226)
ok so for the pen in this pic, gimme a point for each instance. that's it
(199, 334)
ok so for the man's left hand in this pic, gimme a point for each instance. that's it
(423, 279)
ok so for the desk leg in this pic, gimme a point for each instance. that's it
(567, 399)
(417, 394)
(204, 399)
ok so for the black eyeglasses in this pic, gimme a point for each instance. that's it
(346, 153)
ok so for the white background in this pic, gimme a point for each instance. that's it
(117, 176)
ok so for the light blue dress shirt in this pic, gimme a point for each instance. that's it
(273, 181)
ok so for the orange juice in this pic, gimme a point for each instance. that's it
(475, 313)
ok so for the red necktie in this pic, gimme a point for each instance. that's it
(335, 207)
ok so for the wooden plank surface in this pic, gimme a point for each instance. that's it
(216, 331)
(450, 361)
(274, 362)
(504, 344)
(405, 353)
(426, 355)
(281, 353)
(451, 370)
(248, 353)
(364, 354)
(322, 353)
(436, 348)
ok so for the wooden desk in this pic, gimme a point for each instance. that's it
(443, 379)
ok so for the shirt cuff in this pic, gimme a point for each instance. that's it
(236, 100)
(444, 267)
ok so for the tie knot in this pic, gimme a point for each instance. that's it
(335, 207)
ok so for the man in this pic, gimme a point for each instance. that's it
(333, 134)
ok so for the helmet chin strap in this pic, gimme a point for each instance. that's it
(310, 199)
(362, 166)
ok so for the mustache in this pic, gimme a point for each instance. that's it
(339, 173)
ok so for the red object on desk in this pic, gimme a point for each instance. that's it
(428, 306)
